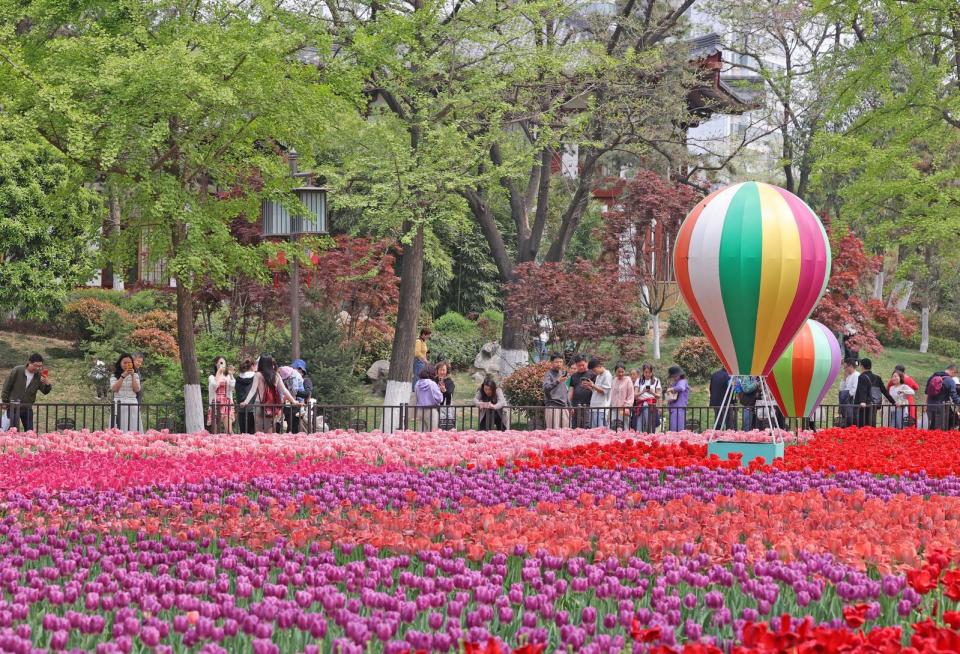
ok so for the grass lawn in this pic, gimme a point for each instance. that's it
(67, 368)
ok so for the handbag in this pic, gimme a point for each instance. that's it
(671, 395)
(5, 421)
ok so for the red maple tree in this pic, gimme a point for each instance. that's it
(638, 236)
(587, 302)
(357, 277)
(846, 306)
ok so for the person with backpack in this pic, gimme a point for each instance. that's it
(869, 395)
(293, 381)
(748, 391)
(269, 392)
(941, 390)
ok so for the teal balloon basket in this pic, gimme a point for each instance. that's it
(749, 451)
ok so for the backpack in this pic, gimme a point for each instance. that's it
(935, 386)
(876, 395)
(270, 396)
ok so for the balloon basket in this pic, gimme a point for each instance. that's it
(748, 451)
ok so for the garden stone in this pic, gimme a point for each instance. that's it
(495, 360)
(377, 373)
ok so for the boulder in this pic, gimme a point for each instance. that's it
(377, 373)
(378, 370)
(495, 360)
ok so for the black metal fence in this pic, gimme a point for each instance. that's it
(313, 418)
(49, 417)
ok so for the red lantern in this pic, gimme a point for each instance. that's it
(314, 261)
(275, 265)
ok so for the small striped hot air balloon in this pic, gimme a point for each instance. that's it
(807, 369)
(752, 261)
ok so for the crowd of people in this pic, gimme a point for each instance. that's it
(585, 394)
(259, 397)
(864, 395)
(579, 392)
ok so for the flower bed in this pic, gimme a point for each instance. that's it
(521, 542)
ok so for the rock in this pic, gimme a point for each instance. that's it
(494, 360)
(378, 370)
(378, 375)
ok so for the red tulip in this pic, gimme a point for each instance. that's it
(642, 635)
(923, 580)
(951, 583)
(855, 616)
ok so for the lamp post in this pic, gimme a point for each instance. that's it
(279, 222)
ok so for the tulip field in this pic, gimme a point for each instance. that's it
(478, 542)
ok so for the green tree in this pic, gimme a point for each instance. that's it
(48, 224)
(596, 85)
(166, 103)
(437, 76)
(891, 163)
(796, 54)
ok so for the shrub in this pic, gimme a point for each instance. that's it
(524, 387)
(897, 338)
(210, 346)
(158, 319)
(154, 343)
(86, 314)
(108, 338)
(682, 323)
(139, 302)
(454, 323)
(455, 339)
(147, 300)
(490, 324)
(945, 325)
(696, 356)
(372, 346)
(459, 352)
(107, 295)
(945, 348)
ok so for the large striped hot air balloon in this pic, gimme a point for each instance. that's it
(752, 261)
(807, 369)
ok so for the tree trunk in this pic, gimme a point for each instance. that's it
(110, 224)
(188, 359)
(900, 295)
(404, 338)
(655, 323)
(925, 327)
(186, 341)
(513, 343)
(878, 281)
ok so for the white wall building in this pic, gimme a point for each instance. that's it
(753, 133)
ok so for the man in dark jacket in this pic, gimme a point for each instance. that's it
(719, 382)
(20, 391)
(580, 393)
(937, 404)
(869, 396)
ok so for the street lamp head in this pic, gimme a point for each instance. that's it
(314, 219)
(276, 219)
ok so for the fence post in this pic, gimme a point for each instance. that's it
(403, 416)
